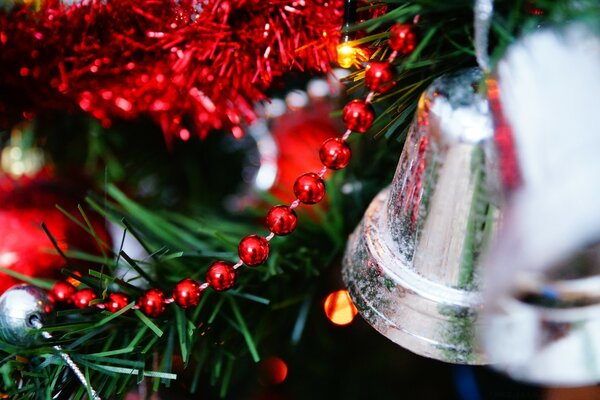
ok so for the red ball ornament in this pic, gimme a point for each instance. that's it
(402, 38)
(221, 275)
(379, 76)
(335, 153)
(281, 220)
(25, 248)
(116, 301)
(61, 292)
(253, 250)
(187, 293)
(309, 188)
(358, 116)
(83, 297)
(152, 302)
(297, 134)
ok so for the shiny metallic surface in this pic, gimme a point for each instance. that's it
(20, 306)
(543, 272)
(412, 265)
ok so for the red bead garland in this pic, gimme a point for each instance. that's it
(187, 293)
(62, 292)
(116, 301)
(152, 302)
(309, 188)
(379, 76)
(221, 275)
(358, 116)
(253, 250)
(335, 153)
(402, 38)
(83, 297)
(281, 220)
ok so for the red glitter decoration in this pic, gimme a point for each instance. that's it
(309, 188)
(83, 297)
(379, 76)
(152, 302)
(187, 293)
(358, 116)
(203, 62)
(402, 38)
(335, 153)
(116, 301)
(221, 275)
(253, 250)
(281, 220)
(61, 292)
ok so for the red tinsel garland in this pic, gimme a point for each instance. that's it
(186, 64)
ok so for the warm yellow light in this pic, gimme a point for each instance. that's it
(339, 308)
(346, 55)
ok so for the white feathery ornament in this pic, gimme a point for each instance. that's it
(543, 307)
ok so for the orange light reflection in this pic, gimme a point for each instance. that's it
(339, 308)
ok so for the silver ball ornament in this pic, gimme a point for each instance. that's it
(20, 307)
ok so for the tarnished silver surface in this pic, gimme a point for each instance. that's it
(543, 271)
(20, 306)
(411, 266)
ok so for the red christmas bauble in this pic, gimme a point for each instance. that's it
(221, 275)
(358, 116)
(27, 202)
(253, 250)
(116, 301)
(335, 153)
(281, 220)
(379, 76)
(187, 293)
(309, 188)
(297, 134)
(402, 38)
(82, 297)
(61, 292)
(152, 302)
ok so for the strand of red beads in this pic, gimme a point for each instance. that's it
(309, 188)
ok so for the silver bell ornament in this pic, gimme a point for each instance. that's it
(22, 309)
(412, 265)
(542, 286)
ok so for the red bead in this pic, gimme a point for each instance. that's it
(116, 301)
(281, 220)
(187, 293)
(221, 275)
(152, 302)
(402, 38)
(61, 292)
(335, 153)
(83, 297)
(379, 76)
(309, 188)
(253, 250)
(358, 116)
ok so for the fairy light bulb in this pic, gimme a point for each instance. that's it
(339, 308)
(346, 55)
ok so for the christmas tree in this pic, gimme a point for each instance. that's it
(180, 178)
